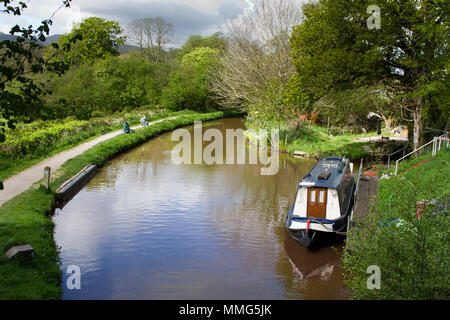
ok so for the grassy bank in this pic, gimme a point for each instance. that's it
(24, 220)
(412, 251)
(315, 141)
(31, 143)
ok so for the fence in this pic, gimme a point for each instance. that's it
(349, 221)
(393, 153)
(434, 144)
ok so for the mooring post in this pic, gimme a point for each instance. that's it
(47, 178)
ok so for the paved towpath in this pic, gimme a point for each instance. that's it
(24, 180)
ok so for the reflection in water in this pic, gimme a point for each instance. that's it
(145, 228)
(316, 273)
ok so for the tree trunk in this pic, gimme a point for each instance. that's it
(418, 123)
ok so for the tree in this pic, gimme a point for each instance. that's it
(351, 107)
(257, 63)
(188, 84)
(20, 60)
(336, 48)
(97, 39)
(214, 41)
(150, 35)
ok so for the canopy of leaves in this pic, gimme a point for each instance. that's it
(108, 85)
(214, 41)
(20, 60)
(97, 38)
(335, 50)
(188, 85)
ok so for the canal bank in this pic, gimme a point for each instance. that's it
(404, 235)
(146, 228)
(24, 218)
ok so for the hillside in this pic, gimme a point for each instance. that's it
(54, 38)
(49, 40)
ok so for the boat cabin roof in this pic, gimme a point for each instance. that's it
(326, 173)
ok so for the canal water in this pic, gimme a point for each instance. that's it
(146, 228)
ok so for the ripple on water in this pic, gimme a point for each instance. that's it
(144, 228)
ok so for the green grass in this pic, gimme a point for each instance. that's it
(412, 252)
(24, 219)
(38, 149)
(430, 180)
(315, 141)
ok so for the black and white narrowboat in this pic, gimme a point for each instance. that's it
(323, 201)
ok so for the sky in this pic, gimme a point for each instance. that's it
(187, 16)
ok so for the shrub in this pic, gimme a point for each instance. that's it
(408, 241)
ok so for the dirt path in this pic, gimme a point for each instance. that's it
(25, 179)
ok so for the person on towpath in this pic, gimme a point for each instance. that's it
(144, 121)
(126, 127)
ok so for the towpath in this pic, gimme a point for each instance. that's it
(25, 179)
(367, 195)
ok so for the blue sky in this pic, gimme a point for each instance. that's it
(188, 16)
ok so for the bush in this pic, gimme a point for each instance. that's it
(108, 86)
(412, 251)
(30, 142)
(187, 88)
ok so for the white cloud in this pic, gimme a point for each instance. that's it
(188, 16)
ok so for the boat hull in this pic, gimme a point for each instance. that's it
(309, 230)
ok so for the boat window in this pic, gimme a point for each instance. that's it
(312, 196)
(321, 195)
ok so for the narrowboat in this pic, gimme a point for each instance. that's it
(323, 201)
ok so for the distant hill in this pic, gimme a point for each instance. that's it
(127, 48)
(5, 36)
(49, 40)
(54, 38)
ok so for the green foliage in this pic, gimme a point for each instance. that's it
(334, 50)
(412, 252)
(127, 82)
(23, 219)
(315, 141)
(295, 97)
(187, 88)
(268, 109)
(73, 94)
(214, 41)
(97, 38)
(351, 107)
(109, 85)
(30, 143)
(20, 62)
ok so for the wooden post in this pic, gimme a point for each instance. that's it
(328, 125)
(46, 182)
